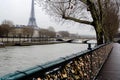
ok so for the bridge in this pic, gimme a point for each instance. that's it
(72, 40)
(99, 63)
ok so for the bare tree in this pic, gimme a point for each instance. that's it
(47, 33)
(1, 31)
(10, 23)
(5, 29)
(43, 32)
(76, 10)
(52, 34)
(74, 35)
(64, 33)
(27, 31)
(111, 21)
(13, 32)
(51, 28)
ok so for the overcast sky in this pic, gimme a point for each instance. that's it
(18, 11)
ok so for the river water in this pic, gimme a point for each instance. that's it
(23, 57)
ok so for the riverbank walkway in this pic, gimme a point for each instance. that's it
(111, 69)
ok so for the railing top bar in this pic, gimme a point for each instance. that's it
(49, 65)
(99, 46)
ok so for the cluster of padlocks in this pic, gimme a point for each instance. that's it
(84, 67)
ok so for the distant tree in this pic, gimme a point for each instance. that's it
(4, 30)
(111, 21)
(13, 32)
(51, 33)
(51, 29)
(1, 30)
(43, 32)
(47, 33)
(6, 27)
(64, 33)
(10, 23)
(74, 36)
(27, 31)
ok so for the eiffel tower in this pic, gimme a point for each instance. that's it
(32, 20)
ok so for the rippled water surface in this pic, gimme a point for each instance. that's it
(24, 57)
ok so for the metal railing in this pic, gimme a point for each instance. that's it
(80, 66)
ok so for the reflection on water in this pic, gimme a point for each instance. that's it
(24, 57)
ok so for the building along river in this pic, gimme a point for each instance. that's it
(23, 57)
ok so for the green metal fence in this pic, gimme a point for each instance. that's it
(80, 66)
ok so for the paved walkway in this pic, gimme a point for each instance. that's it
(111, 69)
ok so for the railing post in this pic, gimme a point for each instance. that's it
(89, 46)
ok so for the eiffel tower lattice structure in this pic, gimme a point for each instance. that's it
(32, 20)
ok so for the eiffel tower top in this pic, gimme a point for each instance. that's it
(32, 20)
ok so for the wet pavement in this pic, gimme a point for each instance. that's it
(111, 69)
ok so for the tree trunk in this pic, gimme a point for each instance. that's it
(111, 38)
(100, 39)
(99, 35)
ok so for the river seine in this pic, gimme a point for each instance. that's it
(23, 57)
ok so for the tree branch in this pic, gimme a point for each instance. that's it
(84, 1)
(77, 20)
